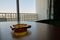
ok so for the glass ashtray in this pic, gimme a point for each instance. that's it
(19, 28)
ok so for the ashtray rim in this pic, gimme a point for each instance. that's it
(28, 26)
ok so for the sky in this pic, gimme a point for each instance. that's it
(9, 6)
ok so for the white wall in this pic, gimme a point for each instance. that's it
(41, 9)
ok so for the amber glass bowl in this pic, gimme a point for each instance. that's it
(19, 28)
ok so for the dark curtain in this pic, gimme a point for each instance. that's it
(56, 10)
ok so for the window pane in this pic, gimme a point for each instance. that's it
(8, 6)
(27, 6)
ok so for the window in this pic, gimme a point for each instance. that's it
(9, 6)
